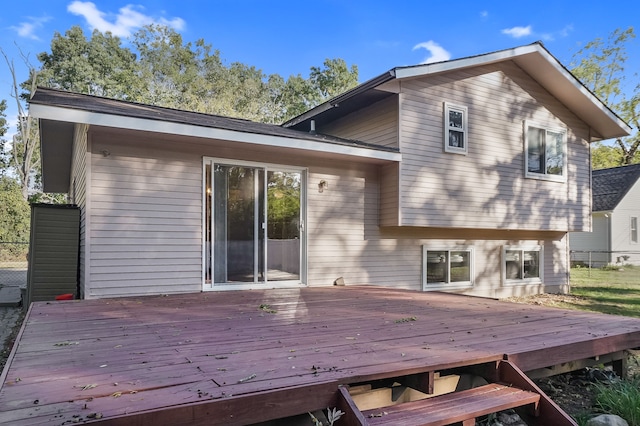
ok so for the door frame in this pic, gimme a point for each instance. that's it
(266, 167)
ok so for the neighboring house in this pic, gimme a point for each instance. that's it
(616, 209)
(462, 176)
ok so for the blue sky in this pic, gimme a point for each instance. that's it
(288, 37)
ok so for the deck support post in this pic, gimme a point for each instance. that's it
(423, 382)
(620, 366)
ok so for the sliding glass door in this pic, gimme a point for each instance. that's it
(253, 224)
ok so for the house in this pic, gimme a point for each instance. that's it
(616, 208)
(463, 176)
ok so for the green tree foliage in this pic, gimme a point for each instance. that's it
(99, 66)
(600, 65)
(169, 72)
(14, 212)
(334, 78)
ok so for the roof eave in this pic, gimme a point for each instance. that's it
(333, 102)
(71, 115)
(543, 67)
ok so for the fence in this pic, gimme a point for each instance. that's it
(597, 267)
(13, 264)
(600, 258)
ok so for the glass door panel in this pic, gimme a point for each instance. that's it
(238, 212)
(253, 224)
(283, 225)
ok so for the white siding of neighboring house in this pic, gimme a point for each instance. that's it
(486, 188)
(621, 226)
(597, 242)
(78, 193)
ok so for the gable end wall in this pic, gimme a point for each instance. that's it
(486, 188)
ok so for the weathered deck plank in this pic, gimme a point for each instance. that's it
(187, 355)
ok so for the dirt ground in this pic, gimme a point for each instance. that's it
(10, 321)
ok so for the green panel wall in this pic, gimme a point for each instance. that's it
(53, 253)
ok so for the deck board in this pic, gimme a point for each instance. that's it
(187, 356)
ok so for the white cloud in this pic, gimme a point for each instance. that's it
(484, 14)
(128, 19)
(437, 53)
(566, 30)
(547, 37)
(517, 32)
(28, 29)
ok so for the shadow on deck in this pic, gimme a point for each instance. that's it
(249, 356)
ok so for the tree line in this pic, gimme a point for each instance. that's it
(158, 68)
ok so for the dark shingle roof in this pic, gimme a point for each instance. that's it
(609, 186)
(64, 99)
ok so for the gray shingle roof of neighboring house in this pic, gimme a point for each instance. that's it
(98, 104)
(609, 186)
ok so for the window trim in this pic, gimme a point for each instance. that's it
(522, 248)
(304, 253)
(447, 285)
(448, 107)
(633, 230)
(544, 176)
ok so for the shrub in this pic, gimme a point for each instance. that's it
(621, 398)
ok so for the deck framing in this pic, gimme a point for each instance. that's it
(245, 356)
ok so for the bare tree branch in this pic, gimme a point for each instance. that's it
(25, 142)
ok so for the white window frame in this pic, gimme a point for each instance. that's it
(302, 282)
(544, 175)
(448, 127)
(447, 285)
(633, 229)
(524, 280)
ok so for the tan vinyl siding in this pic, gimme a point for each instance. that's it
(487, 188)
(335, 225)
(376, 124)
(556, 265)
(389, 195)
(146, 218)
(78, 193)
(345, 240)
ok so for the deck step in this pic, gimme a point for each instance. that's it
(508, 388)
(453, 407)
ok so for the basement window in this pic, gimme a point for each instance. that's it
(446, 268)
(522, 265)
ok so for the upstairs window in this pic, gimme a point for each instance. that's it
(455, 128)
(634, 229)
(545, 152)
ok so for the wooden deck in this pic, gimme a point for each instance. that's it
(234, 357)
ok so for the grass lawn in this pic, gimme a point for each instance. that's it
(608, 291)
